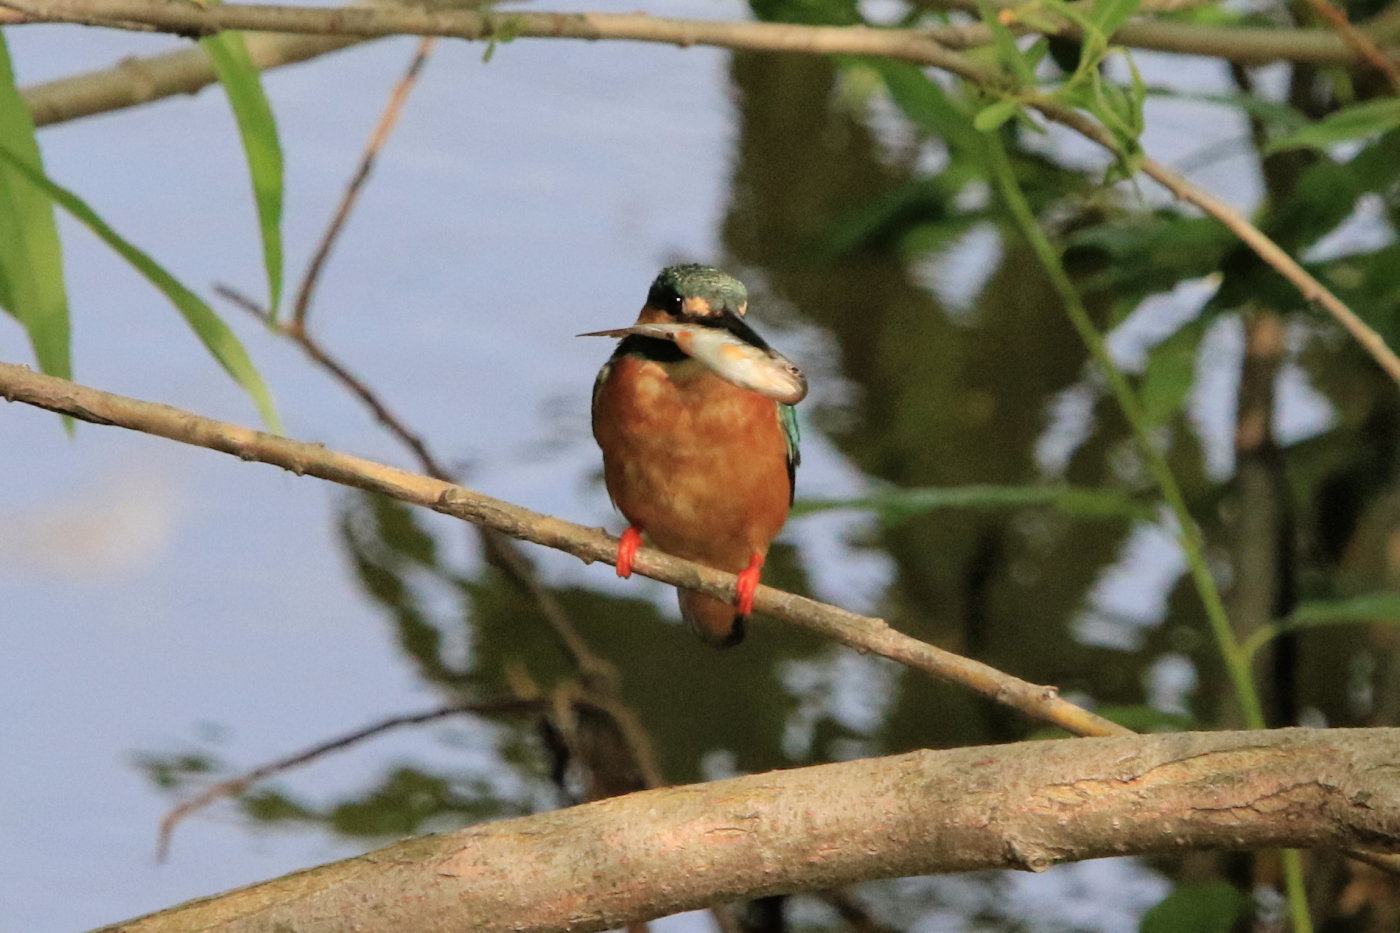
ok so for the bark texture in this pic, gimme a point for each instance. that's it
(1028, 805)
(18, 384)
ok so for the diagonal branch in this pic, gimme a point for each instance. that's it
(135, 81)
(866, 634)
(387, 118)
(1028, 805)
(234, 786)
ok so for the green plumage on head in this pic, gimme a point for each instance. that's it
(693, 280)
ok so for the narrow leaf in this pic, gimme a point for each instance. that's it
(1197, 907)
(258, 129)
(929, 107)
(211, 331)
(1171, 369)
(1007, 50)
(31, 261)
(994, 115)
(897, 503)
(1366, 119)
(1368, 607)
(1108, 15)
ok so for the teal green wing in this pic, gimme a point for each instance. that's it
(787, 417)
(598, 387)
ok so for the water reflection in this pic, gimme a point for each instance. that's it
(836, 224)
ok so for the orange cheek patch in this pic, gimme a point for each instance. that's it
(731, 352)
(685, 340)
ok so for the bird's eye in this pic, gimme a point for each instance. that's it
(674, 304)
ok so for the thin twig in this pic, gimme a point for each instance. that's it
(863, 633)
(237, 785)
(501, 553)
(1313, 291)
(382, 129)
(924, 44)
(1365, 47)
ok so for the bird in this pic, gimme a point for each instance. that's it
(704, 468)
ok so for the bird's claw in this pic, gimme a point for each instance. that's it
(627, 550)
(747, 585)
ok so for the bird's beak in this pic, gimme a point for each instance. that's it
(620, 332)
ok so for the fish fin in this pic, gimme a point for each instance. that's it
(713, 620)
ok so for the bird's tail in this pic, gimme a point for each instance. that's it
(714, 620)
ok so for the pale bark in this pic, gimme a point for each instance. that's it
(866, 634)
(911, 45)
(1028, 805)
(136, 81)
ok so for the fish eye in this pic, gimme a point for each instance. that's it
(793, 370)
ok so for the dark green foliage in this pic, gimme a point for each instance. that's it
(1198, 907)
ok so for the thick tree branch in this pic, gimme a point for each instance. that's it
(1028, 805)
(19, 384)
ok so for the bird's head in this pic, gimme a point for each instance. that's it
(701, 295)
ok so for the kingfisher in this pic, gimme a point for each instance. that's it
(701, 466)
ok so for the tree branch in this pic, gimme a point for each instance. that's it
(907, 45)
(232, 787)
(135, 81)
(924, 45)
(1027, 806)
(19, 384)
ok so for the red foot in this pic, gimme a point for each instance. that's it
(748, 585)
(627, 550)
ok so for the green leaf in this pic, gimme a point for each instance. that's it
(1277, 117)
(1197, 907)
(258, 129)
(1365, 609)
(207, 326)
(1008, 52)
(31, 261)
(1108, 15)
(1353, 122)
(991, 117)
(1368, 607)
(929, 107)
(897, 503)
(1171, 370)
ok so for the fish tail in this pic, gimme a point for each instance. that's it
(714, 620)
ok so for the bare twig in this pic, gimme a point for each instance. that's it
(499, 551)
(863, 633)
(1312, 291)
(234, 786)
(1365, 47)
(923, 45)
(381, 132)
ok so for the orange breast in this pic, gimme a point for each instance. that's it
(699, 464)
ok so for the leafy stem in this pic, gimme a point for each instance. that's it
(1235, 656)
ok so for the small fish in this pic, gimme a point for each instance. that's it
(765, 371)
